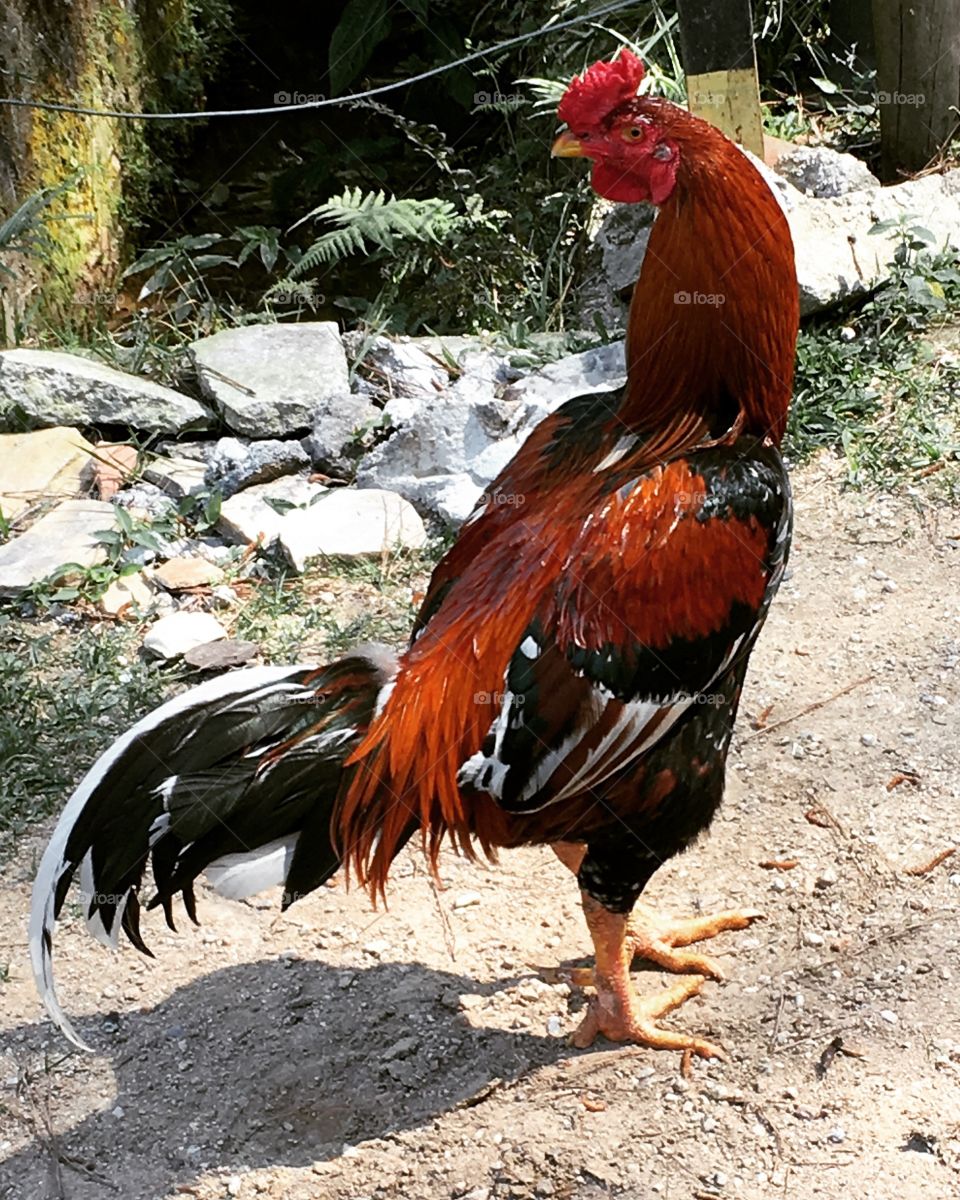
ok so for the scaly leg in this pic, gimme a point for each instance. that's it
(617, 1011)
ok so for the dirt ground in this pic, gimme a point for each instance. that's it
(345, 1053)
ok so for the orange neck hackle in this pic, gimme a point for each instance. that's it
(713, 322)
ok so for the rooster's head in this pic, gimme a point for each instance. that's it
(631, 139)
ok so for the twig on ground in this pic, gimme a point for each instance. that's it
(809, 708)
(927, 867)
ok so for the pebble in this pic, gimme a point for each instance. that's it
(467, 900)
(554, 1026)
(837, 1135)
(826, 878)
(868, 739)
(812, 939)
(234, 1185)
(888, 1015)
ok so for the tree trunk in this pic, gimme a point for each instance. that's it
(918, 80)
(117, 54)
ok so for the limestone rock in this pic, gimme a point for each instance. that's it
(353, 522)
(333, 446)
(181, 631)
(256, 513)
(233, 465)
(221, 656)
(68, 534)
(446, 449)
(129, 591)
(42, 464)
(837, 256)
(178, 477)
(820, 171)
(266, 380)
(179, 574)
(53, 388)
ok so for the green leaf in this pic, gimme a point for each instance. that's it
(123, 519)
(278, 504)
(360, 30)
(146, 538)
(211, 508)
(825, 85)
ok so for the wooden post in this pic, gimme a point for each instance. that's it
(918, 80)
(716, 37)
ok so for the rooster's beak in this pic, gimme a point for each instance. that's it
(566, 146)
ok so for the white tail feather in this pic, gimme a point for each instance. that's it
(52, 864)
(236, 876)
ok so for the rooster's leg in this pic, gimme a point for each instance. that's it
(656, 937)
(617, 1011)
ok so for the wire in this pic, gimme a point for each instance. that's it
(278, 109)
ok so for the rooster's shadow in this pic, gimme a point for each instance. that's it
(260, 1064)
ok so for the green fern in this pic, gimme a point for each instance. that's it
(361, 221)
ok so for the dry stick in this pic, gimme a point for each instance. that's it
(927, 867)
(809, 708)
(448, 937)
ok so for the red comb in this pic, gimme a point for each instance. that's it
(600, 89)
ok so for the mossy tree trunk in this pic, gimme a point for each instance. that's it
(100, 54)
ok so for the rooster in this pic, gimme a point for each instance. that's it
(575, 669)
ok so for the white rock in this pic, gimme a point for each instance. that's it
(248, 516)
(182, 631)
(350, 522)
(232, 465)
(53, 388)
(128, 590)
(409, 367)
(68, 534)
(177, 477)
(266, 380)
(450, 446)
(467, 900)
(820, 171)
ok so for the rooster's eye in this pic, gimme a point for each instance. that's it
(635, 132)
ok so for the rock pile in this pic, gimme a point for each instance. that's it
(286, 449)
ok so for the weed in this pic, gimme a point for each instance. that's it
(64, 694)
(882, 390)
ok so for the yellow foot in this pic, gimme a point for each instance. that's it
(655, 937)
(634, 1020)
